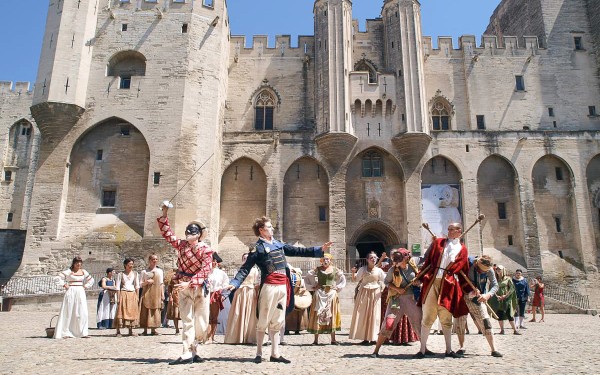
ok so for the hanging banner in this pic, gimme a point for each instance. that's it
(440, 205)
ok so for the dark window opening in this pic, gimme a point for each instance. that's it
(559, 173)
(480, 122)
(124, 27)
(554, 124)
(9, 217)
(510, 240)
(520, 83)
(560, 254)
(99, 154)
(322, 213)
(26, 130)
(578, 43)
(109, 198)
(264, 111)
(184, 28)
(558, 224)
(372, 164)
(7, 175)
(125, 131)
(467, 148)
(551, 112)
(156, 178)
(592, 110)
(501, 210)
(125, 82)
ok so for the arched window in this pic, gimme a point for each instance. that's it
(365, 66)
(372, 164)
(264, 110)
(440, 116)
(126, 64)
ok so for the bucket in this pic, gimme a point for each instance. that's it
(50, 330)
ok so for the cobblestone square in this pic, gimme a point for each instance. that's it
(565, 344)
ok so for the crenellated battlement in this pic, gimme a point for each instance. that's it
(6, 88)
(260, 46)
(490, 45)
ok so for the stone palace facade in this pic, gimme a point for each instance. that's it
(352, 135)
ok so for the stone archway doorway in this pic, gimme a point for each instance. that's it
(369, 242)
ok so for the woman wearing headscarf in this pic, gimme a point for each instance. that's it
(326, 281)
(504, 302)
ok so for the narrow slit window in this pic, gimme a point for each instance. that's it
(480, 122)
(156, 178)
(502, 210)
(558, 224)
(7, 175)
(519, 83)
(99, 154)
(9, 217)
(510, 240)
(559, 173)
(184, 28)
(578, 43)
(322, 213)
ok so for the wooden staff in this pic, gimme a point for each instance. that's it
(479, 293)
(479, 220)
(426, 226)
(417, 277)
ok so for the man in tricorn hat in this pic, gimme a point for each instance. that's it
(194, 266)
(275, 293)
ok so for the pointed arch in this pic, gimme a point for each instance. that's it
(441, 110)
(499, 200)
(108, 181)
(593, 184)
(243, 199)
(306, 202)
(555, 210)
(365, 65)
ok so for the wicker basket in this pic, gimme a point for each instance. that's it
(50, 330)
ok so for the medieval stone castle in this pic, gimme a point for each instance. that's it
(350, 135)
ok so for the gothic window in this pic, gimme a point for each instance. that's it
(364, 66)
(440, 116)
(264, 110)
(372, 165)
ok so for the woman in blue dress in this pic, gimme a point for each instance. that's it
(107, 301)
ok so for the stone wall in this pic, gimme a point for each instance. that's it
(593, 12)
(12, 243)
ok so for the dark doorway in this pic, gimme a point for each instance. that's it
(368, 243)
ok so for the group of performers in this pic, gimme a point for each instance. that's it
(447, 285)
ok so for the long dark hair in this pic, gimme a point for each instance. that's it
(77, 259)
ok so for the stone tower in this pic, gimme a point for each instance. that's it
(130, 105)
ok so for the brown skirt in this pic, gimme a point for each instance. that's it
(128, 311)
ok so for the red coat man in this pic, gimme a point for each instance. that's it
(441, 295)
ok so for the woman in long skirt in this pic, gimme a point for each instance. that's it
(366, 317)
(152, 296)
(325, 316)
(128, 312)
(241, 322)
(107, 301)
(73, 316)
(173, 304)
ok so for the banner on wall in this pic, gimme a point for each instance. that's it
(441, 205)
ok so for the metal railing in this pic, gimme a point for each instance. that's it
(38, 285)
(567, 296)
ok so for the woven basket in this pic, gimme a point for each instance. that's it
(50, 330)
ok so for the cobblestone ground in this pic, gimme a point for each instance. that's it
(563, 344)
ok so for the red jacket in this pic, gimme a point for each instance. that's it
(451, 295)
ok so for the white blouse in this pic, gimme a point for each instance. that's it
(67, 277)
(370, 280)
(129, 282)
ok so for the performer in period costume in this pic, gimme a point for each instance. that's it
(173, 304)
(441, 295)
(325, 315)
(194, 266)
(538, 298)
(107, 301)
(366, 317)
(241, 323)
(218, 281)
(73, 316)
(128, 311)
(275, 292)
(297, 320)
(401, 297)
(504, 302)
(522, 291)
(480, 274)
(153, 292)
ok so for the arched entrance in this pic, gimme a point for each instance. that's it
(376, 236)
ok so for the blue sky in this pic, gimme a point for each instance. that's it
(22, 24)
